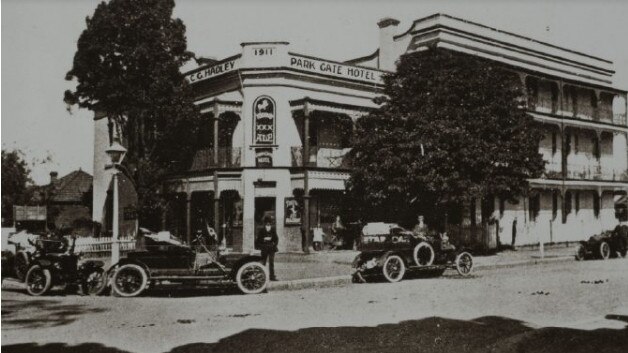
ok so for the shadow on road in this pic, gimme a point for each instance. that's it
(44, 313)
(485, 334)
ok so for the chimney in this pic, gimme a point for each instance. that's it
(53, 177)
(387, 29)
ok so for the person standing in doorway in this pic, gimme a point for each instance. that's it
(267, 241)
(514, 233)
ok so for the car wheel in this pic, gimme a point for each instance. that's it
(394, 268)
(38, 280)
(21, 265)
(129, 280)
(252, 278)
(605, 251)
(581, 253)
(94, 282)
(464, 263)
(423, 254)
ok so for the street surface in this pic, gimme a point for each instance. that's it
(558, 307)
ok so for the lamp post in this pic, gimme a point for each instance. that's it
(116, 153)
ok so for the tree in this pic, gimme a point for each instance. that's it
(451, 130)
(128, 66)
(15, 181)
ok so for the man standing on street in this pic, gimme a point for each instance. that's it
(267, 241)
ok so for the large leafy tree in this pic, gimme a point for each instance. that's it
(15, 181)
(451, 130)
(128, 66)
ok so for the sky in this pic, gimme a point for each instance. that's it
(39, 40)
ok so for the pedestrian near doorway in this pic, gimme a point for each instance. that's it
(267, 241)
(338, 231)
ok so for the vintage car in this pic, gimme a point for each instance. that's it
(389, 251)
(608, 244)
(165, 261)
(55, 263)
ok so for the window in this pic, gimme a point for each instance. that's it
(577, 201)
(567, 206)
(502, 206)
(576, 143)
(554, 142)
(596, 205)
(534, 205)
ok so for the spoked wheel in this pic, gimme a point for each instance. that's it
(38, 280)
(605, 251)
(423, 254)
(252, 278)
(581, 253)
(464, 263)
(21, 265)
(94, 282)
(129, 280)
(394, 268)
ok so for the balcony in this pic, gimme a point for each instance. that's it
(321, 157)
(228, 157)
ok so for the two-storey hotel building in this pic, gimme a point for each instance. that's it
(278, 125)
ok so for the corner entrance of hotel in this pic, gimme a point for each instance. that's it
(264, 210)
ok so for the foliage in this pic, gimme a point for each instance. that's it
(128, 66)
(451, 130)
(15, 181)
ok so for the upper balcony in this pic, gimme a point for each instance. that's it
(577, 102)
(228, 157)
(321, 157)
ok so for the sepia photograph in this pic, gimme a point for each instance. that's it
(189, 176)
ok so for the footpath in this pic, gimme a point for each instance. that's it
(333, 268)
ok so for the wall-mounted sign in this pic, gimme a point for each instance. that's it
(292, 211)
(213, 71)
(335, 69)
(264, 157)
(264, 121)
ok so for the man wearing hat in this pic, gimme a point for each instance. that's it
(267, 241)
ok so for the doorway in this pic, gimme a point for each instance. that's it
(264, 210)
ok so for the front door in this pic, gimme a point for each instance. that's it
(264, 210)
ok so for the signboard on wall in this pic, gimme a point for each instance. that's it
(336, 69)
(263, 157)
(218, 69)
(264, 121)
(293, 211)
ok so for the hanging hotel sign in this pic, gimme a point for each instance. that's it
(335, 69)
(213, 71)
(264, 121)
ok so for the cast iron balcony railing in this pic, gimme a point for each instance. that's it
(321, 157)
(620, 119)
(228, 157)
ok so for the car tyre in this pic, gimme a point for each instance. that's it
(581, 253)
(38, 280)
(129, 280)
(605, 250)
(423, 254)
(464, 263)
(252, 278)
(394, 268)
(94, 282)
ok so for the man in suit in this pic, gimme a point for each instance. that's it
(267, 241)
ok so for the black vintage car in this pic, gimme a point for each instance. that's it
(54, 262)
(168, 262)
(608, 244)
(389, 251)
